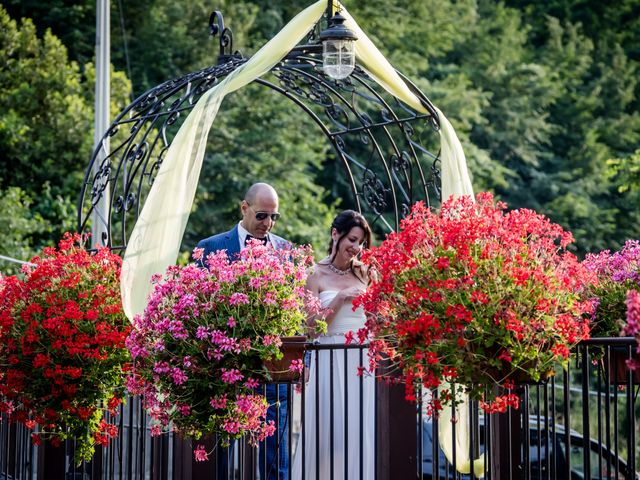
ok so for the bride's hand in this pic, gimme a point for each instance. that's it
(348, 294)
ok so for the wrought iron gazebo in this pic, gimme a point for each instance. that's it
(388, 151)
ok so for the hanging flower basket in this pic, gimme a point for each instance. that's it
(62, 346)
(520, 376)
(477, 296)
(201, 347)
(616, 273)
(616, 295)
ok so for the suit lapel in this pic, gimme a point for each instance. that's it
(232, 242)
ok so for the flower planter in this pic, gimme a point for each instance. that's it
(292, 349)
(62, 346)
(519, 376)
(618, 370)
(523, 378)
(475, 294)
(245, 305)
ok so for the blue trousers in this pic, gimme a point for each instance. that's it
(273, 454)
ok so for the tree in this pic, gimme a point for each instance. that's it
(540, 93)
(551, 113)
(73, 22)
(46, 123)
(626, 172)
(167, 39)
(18, 225)
(594, 119)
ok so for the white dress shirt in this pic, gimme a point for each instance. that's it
(242, 236)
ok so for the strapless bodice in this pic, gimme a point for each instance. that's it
(346, 318)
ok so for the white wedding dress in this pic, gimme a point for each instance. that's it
(319, 401)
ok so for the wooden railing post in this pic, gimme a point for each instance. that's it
(51, 462)
(505, 445)
(396, 434)
(160, 458)
(182, 458)
(203, 470)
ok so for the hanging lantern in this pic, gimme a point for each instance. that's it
(338, 48)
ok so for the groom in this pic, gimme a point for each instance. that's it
(259, 213)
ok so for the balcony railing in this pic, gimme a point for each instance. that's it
(582, 420)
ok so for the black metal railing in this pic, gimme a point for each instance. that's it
(582, 420)
(17, 455)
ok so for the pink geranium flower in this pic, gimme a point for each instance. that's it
(616, 274)
(632, 328)
(201, 454)
(296, 366)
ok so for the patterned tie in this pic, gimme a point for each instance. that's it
(251, 237)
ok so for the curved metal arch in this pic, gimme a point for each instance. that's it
(376, 138)
(366, 131)
(319, 122)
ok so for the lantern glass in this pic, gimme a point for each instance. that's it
(338, 57)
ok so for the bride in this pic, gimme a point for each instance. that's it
(338, 404)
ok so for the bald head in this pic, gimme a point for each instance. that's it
(260, 190)
(260, 199)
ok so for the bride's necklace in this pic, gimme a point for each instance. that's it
(336, 270)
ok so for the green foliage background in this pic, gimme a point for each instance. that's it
(544, 96)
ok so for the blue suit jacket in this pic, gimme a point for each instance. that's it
(230, 241)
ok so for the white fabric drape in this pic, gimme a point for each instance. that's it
(455, 182)
(462, 436)
(156, 237)
(454, 173)
(155, 240)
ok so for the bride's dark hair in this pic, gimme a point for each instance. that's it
(343, 224)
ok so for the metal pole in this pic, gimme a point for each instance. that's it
(100, 213)
(329, 9)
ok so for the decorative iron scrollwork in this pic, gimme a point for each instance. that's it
(402, 162)
(129, 202)
(216, 27)
(100, 182)
(384, 145)
(118, 204)
(374, 192)
(405, 209)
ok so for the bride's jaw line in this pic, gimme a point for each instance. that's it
(343, 260)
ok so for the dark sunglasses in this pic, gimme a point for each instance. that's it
(260, 216)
